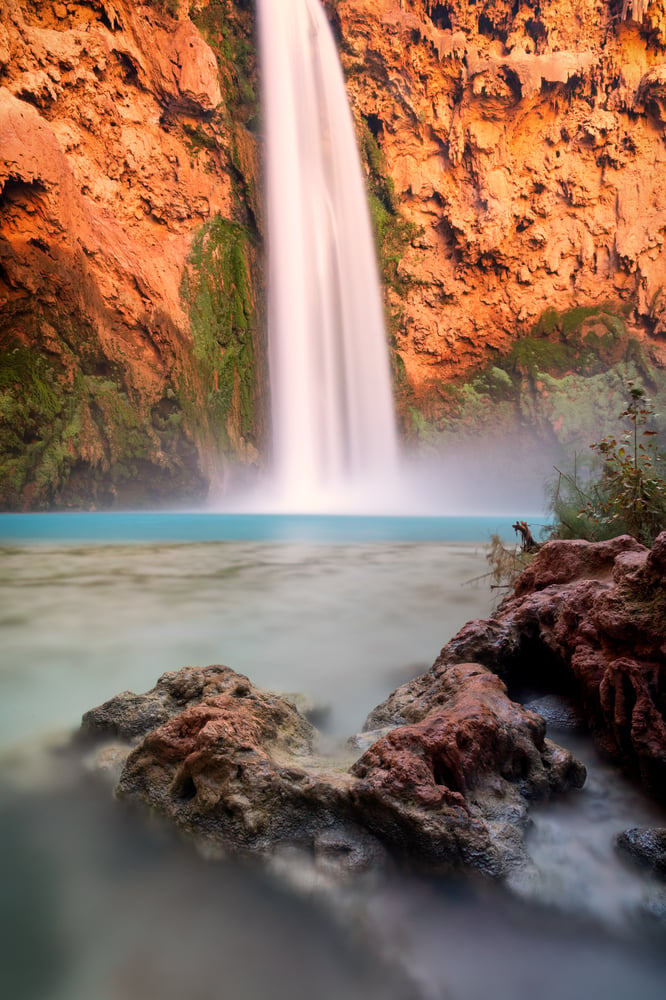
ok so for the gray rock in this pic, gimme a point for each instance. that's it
(646, 847)
(130, 716)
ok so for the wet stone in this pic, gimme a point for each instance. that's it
(557, 712)
(646, 847)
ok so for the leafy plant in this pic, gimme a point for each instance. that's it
(625, 492)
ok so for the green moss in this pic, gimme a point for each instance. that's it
(393, 233)
(393, 236)
(38, 425)
(465, 409)
(547, 323)
(69, 438)
(217, 290)
(126, 429)
(563, 382)
(586, 339)
(198, 139)
(22, 370)
(571, 322)
(530, 355)
(229, 32)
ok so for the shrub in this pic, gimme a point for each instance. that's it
(625, 492)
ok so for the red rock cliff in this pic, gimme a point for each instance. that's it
(516, 167)
(126, 180)
(525, 143)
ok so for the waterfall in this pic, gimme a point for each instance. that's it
(334, 435)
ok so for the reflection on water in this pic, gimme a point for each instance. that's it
(99, 903)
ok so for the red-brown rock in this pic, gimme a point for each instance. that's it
(234, 766)
(588, 617)
(564, 561)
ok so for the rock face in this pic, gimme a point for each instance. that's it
(522, 144)
(118, 152)
(515, 165)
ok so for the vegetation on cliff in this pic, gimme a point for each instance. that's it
(70, 437)
(563, 382)
(394, 233)
(217, 287)
(103, 399)
(222, 285)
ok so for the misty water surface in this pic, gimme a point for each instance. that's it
(100, 902)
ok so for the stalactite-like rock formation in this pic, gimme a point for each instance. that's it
(127, 203)
(515, 163)
(523, 144)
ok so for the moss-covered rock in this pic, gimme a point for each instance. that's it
(217, 288)
(113, 389)
(563, 383)
(72, 438)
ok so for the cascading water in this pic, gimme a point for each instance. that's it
(334, 437)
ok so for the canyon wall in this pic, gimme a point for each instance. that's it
(130, 251)
(515, 160)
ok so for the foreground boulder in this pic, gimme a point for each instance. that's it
(236, 767)
(587, 619)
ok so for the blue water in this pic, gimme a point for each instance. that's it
(181, 526)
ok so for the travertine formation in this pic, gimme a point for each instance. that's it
(516, 163)
(588, 619)
(236, 767)
(116, 147)
(526, 143)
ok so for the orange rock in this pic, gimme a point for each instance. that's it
(101, 193)
(515, 138)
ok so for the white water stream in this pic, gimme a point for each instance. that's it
(334, 437)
